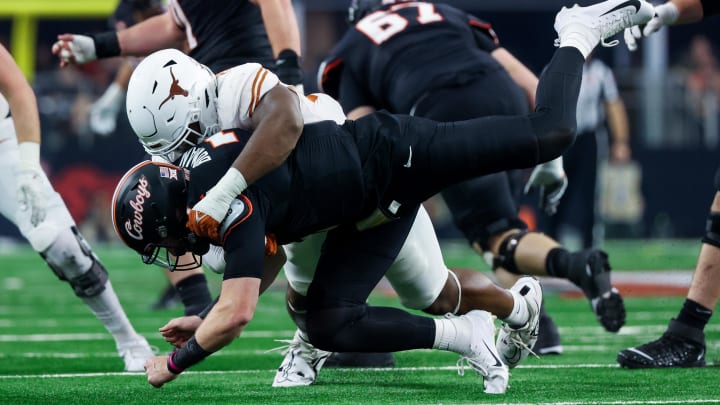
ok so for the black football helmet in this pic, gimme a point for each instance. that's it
(149, 212)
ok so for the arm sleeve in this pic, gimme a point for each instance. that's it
(244, 246)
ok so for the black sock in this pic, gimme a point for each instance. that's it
(694, 314)
(557, 263)
(194, 293)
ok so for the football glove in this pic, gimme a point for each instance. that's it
(74, 49)
(103, 113)
(205, 217)
(287, 69)
(31, 198)
(79, 49)
(551, 182)
(665, 14)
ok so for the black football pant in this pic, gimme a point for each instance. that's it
(352, 262)
(486, 205)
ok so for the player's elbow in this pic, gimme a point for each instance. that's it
(293, 126)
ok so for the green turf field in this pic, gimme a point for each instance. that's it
(53, 351)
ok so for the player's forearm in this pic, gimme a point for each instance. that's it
(230, 315)
(281, 25)
(618, 122)
(21, 98)
(690, 11)
(269, 146)
(153, 34)
(25, 114)
(278, 124)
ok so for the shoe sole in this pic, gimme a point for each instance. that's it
(610, 311)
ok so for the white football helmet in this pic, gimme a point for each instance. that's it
(171, 97)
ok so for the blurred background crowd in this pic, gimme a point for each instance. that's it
(659, 188)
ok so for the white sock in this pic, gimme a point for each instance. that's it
(520, 314)
(580, 41)
(453, 334)
(106, 307)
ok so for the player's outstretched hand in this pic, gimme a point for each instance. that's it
(665, 14)
(205, 217)
(157, 371)
(550, 181)
(179, 330)
(74, 49)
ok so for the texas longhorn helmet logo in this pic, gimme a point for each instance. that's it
(175, 90)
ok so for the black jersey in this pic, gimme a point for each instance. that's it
(319, 186)
(222, 34)
(394, 55)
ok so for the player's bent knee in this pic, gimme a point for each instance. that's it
(72, 260)
(554, 143)
(554, 135)
(326, 328)
(448, 302)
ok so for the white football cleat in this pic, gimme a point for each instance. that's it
(515, 344)
(482, 356)
(301, 364)
(598, 22)
(136, 353)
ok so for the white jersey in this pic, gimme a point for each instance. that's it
(241, 88)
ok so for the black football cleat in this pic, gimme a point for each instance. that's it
(363, 360)
(679, 346)
(548, 336)
(590, 270)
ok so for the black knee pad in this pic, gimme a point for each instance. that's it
(712, 230)
(506, 254)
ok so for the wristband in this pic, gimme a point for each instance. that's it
(667, 12)
(287, 67)
(29, 155)
(106, 44)
(171, 364)
(187, 356)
